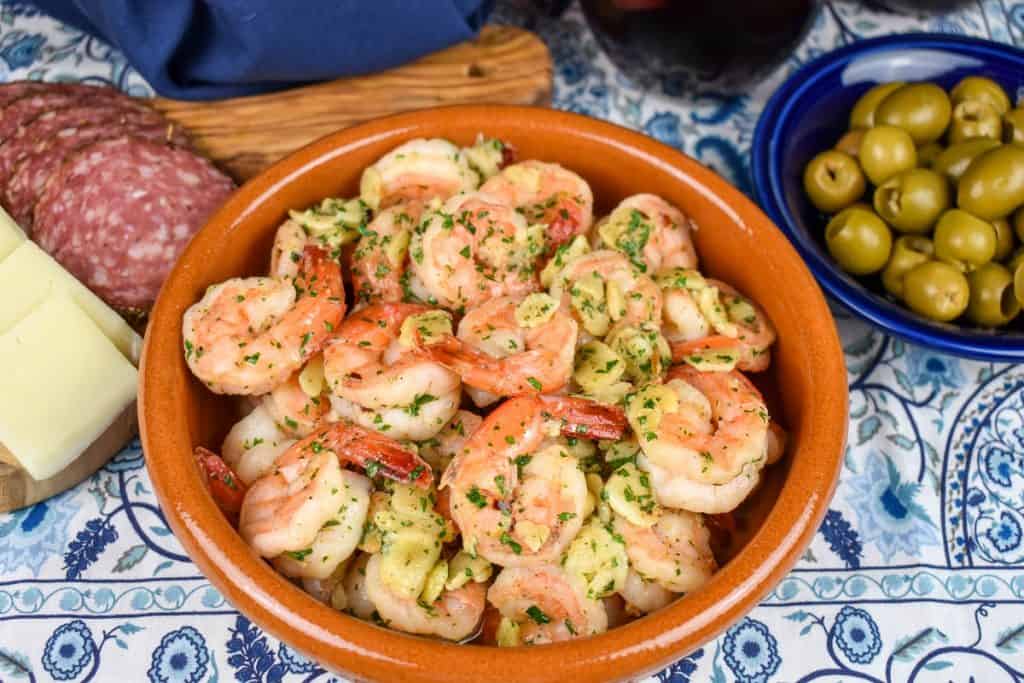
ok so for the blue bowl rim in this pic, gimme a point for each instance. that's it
(768, 191)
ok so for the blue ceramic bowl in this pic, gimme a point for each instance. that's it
(809, 113)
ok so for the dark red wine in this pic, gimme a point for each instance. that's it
(727, 43)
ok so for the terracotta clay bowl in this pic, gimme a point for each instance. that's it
(805, 388)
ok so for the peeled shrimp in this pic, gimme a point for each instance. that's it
(518, 501)
(546, 193)
(295, 412)
(248, 335)
(357, 602)
(748, 333)
(498, 352)
(380, 260)
(455, 615)
(475, 248)
(449, 442)
(675, 552)
(654, 234)
(546, 605)
(254, 443)
(286, 509)
(644, 596)
(289, 242)
(706, 450)
(337, 538)
(602, 288)
(378, 382)
(419, 170)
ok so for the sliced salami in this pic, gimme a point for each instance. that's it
(20, 111)
(42, 127)
(119, 213)
(44, 159)
(18, 89)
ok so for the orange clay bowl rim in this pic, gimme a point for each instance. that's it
(348, 645)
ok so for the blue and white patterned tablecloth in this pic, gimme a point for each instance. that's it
(917, 573)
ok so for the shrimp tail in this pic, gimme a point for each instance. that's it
(720, 344)
(564, 221)
(480, 370)
(372, 452)
(320, 275)
(586, 418)
(224, 486)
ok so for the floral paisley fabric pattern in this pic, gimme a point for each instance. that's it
(917, 572)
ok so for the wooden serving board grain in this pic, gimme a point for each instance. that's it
(245, 135)
(18, 489)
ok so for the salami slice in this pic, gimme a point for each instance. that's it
(44, 159)
(119, 212)
(18, 89)
(42, 127)
(19, 112)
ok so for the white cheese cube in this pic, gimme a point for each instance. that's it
(63, 384)
(28, 276)
(10, 235)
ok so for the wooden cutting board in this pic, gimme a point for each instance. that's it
(245, 135)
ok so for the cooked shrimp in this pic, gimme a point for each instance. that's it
(654, 234)
(748, 333)
(546, 193)
(510, 346)
(675, 552)
(295, 412)
(517, 502)
(776, 444)
(705, 438)
(285, 256)
(475, 248)
(644, 596)
(384, 385)
(446, 444)
(254, 443)
(248, 335)
(419, 170)
(602, 288)
(226, 487)
(546, 605)
(455, 615)
(380, 260)
(337, 538)
(357, 602)
(285, 509)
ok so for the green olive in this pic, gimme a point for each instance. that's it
(981, 89)
(936, 290)
(1005, 241)
(1013, 126)
(927, 154)
(992, 302)
(964, 240)
(907, 252)
(913, 200)
(863, 113)
(885, 151)
(993, 185)
(1018, 283)
(850, 142)
(1018, 224)
(974, 119)
(955, 159)
(833, 181)
(858, 240)
(921, 109)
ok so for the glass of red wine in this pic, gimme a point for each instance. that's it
(722, 44)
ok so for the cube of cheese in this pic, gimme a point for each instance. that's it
(29, 275)
(10, 235)
(64, 383)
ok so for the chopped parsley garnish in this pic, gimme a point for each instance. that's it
(372, 468)
(476, 498)
(417, 402)
(511, 543)
(537, 615)
(299, 555)
(534, 383)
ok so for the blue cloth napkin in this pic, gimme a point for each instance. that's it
(207, 49)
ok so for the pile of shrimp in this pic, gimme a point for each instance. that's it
(512, 427)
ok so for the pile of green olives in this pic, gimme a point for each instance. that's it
(926, 190)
